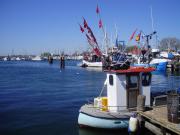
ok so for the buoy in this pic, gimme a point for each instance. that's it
(133, 123)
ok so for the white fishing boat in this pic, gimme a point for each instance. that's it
(91, 64)
(92, 61)
(113, 110)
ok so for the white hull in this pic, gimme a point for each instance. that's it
(90, 116)
(103, 123)
(92, 64)
(157, 61)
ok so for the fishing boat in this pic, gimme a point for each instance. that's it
(91, 64)
(113, 110)
(92, 61)
(156, 61)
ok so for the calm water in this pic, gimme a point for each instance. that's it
(38, 98)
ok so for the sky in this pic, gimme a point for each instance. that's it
(36, 26)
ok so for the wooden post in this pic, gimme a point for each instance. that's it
(173, 107)
(141, 103)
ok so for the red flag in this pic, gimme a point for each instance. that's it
(90, 40)
(97, 51)
(132, 36)
(81, 28)
(100, 23)
(85, 24)
(97, 9)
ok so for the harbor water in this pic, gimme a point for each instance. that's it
(38, 98)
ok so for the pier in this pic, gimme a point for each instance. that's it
(156, 120)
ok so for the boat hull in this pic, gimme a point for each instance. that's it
(103, 123)
(159, 66)
(90, 116)
(92, 64)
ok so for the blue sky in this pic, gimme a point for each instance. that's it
(35, 26)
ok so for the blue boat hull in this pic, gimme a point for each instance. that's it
(159, 66)
(95, 122)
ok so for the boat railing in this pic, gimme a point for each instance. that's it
(160, 100)
(106, 108)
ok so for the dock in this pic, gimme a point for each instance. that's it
(156, 120)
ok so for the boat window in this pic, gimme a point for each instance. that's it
(146, 79)
(132, 81)
(110, 79)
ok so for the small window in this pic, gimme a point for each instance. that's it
(110, 79)
(132, 81)
(146, 79)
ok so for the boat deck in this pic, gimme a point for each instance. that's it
(89, 109)
(158, 116)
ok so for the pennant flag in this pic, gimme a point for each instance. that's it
(97, 9)
(85, 23)
(90, 41)
(91, 34)
(81, 28)
(88, 37)
(132, 36)
(100, 23)
(138, 37)
(97, 51)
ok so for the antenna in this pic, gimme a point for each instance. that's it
(152, 21)
(116, 29)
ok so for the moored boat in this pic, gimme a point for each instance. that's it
(113, 110)
(36, 58)
(91, 64)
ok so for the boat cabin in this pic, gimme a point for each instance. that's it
(124, 86)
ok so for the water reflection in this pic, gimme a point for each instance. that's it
(91, 131)
(165, 81)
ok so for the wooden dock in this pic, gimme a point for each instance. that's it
(157, 120)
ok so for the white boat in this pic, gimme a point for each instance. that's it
(113, 110)
(37, 58)
(5, 59)
(18, 59)
(91, 64)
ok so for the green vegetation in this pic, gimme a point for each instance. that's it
(45, 54)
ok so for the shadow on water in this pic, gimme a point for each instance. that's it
(91, 131)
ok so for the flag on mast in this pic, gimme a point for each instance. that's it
(81, 28)
(138, 37)
(100, 23)
(97, 9)
(85, 23)
(132, 36)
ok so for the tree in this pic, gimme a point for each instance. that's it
(45, 54)
(171, 43)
